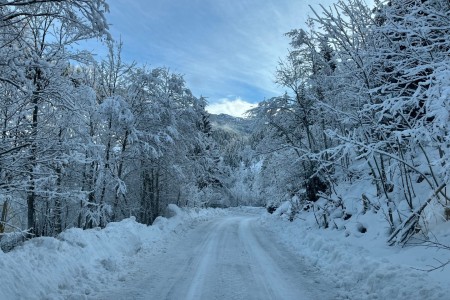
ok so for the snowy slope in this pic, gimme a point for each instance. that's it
(241, 126)
(363, 266)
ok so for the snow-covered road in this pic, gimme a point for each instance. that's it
(231, 257)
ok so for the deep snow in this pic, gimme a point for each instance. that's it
(79, 262)
(361, 265)
(123, 258)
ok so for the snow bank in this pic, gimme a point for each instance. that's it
(79, 261)
(361, 265)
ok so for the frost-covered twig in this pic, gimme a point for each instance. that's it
(441, 264)
(405, 230)
(373, 149)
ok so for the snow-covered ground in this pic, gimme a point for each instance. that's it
(231, 257)
(79, 262)
(223, 254)
(362, 265)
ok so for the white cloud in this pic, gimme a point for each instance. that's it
(236, 107)
(220, 48)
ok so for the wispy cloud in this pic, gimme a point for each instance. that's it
(233, 107)
(222, 47)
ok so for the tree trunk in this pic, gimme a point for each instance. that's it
(58, 203)
(4, 216)
(31, 198)
(119, 177)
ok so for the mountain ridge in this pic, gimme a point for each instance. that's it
(226, 122)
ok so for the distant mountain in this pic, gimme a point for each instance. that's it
(240, 126)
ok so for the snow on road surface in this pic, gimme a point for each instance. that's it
(239, 253)
(232, 257)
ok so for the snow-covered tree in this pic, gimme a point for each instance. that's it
(34, 40)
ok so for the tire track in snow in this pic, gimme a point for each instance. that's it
(229, 258)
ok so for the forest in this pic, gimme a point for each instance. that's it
(85, 142)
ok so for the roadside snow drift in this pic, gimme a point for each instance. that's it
(78, 261)
(362, 265)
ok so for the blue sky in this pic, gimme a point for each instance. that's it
(227, 50)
